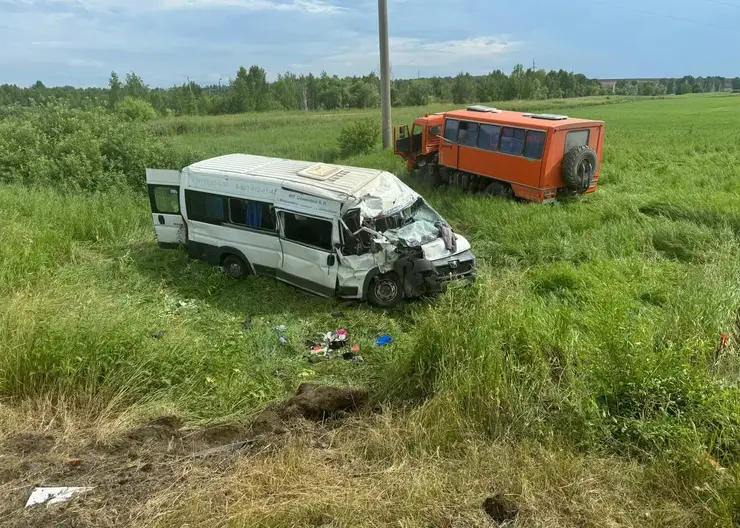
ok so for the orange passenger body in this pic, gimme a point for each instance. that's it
(535, 157)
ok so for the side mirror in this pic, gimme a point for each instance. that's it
(331, 260)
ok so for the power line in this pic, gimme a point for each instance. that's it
(663, 15)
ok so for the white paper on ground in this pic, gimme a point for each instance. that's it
(53, 495)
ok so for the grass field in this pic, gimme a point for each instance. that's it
(582, 376)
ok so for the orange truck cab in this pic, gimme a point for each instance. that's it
(535, 157)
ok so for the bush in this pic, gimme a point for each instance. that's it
(135, 109)
(82, 150)
(359, 137)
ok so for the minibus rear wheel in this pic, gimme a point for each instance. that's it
(235, 267)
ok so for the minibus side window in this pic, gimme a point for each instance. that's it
(251, 213)
(205, 207)
(306, 230)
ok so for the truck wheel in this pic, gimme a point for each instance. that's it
(385, 291)
(501, 189)
(235, 267)
(579, 167)
(424, 175)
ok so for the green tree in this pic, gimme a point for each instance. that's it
(114, 94)
(463, 89)
(135, 87)
(135, 109)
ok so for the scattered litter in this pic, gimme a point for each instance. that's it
(53, 495)
(72, 461)
(338, 315)
(281, 328)
(247, 324)
(283, 341)
(337, 339)
(184, 303)
(383, 340)
(351, 356)
(157, 334)
(331, 342)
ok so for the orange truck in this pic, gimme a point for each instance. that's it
(534, 157)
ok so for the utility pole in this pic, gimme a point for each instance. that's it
(385, 73)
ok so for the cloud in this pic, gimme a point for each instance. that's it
(78, 62)
(420, 53)
(139, 6)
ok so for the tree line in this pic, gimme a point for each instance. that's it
(250, 91)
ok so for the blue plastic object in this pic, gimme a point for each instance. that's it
(383, 340)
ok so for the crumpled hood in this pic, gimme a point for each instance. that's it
(435, 249)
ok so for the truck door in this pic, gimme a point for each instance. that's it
(164, 198)
(309, 259)
(448, 148)
(402, 140)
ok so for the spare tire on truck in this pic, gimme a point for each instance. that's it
(579, 167)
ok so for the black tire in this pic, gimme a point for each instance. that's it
(499, 189)
(235, 267)
(385, 291)
(579, 167)
(435, 176)
(424, 178)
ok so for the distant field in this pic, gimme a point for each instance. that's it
(582, 376)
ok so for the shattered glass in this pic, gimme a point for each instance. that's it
(417, 233)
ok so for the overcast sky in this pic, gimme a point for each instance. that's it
(80, 42)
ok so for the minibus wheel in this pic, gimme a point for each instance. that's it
(235, 267)
(385, 291)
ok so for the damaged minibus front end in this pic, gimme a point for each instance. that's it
(395, 245)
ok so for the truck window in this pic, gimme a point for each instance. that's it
(435, 130)
(451, 126)
(166, 199)
(576, 138)
(488, 137)
(205, 207)
(250, 213)
(512, 140)
(306, 230)
(534, 145)
(467, 134)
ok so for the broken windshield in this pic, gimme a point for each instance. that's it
(419, 210)
(413, 226)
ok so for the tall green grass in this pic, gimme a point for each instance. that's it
(596, 322)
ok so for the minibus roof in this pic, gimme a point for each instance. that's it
(352, 186)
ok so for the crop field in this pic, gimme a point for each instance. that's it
(590, 376)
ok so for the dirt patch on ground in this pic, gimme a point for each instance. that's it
(26, 443)
(132, 469)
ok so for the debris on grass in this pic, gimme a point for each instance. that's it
(157, 334)
(52, 495)
(337, 315)
(247, 324)
(383, 340)
(283, 341)
(280, 328)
